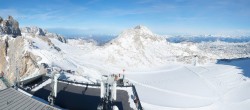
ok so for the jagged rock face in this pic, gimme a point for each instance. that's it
(36, 31)
(33, 30)
(1, 19)
(10, 27)
(13, 56)
(2, 54)
(40, 32)
(58, 37)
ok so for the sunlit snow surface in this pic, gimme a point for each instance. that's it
(175, 86)
(193, 87)
(170, 86)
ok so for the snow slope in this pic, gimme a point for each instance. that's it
(208, 86)
(140, 48)
(161, 71)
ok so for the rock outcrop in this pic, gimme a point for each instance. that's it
(9, 26)
(15, 56)
(14, 59)
(36, 31)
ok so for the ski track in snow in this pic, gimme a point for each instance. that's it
(172, 92)
(173, 86)
(202, 72)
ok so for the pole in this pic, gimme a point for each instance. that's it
(53, 94)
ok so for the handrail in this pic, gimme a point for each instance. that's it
(139, 107)
(89, 84)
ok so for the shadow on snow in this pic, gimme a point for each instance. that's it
(241, 63)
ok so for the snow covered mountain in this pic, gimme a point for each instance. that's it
(163, 72)
(139, 47)
(133, 48)
(15, 48)
(36, 31)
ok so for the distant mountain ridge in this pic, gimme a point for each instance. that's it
(137, 47)
(209, 38)
(36, 31)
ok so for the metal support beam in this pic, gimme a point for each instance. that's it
(108, 92)
(53, 94)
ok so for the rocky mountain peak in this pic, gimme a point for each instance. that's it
(140, 27)
(136, 38)
(9, 26)
(143, 29)
(10, 18)
(36, 31)
(138, 33)
(1, 19)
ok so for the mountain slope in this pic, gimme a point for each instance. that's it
(160, 70)
(139, 47)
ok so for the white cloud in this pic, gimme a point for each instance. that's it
(34, 14)
(46, 15)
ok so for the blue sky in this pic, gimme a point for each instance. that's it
(174, 17)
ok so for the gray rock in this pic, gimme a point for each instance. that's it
(1, 19)
(40, 32)
(61, 39)
(36, 31)
(10, 27)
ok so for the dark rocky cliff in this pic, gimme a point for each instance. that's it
(9, 26)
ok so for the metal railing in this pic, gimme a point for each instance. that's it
(139, 106)
(89, 84)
